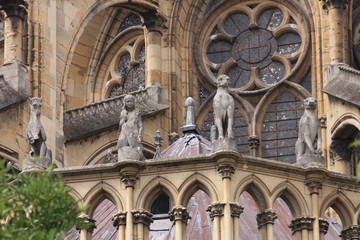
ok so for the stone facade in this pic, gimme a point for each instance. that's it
(81, 57)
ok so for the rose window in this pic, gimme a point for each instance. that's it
(258, 45)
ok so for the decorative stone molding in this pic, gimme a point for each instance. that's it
(105, 115)
(322, 119)
(16, 8)
(352, 232)
(142, 216)
(236, 209)
(89, 223)
(119, 219)
(324, 225)
(179, 213)
(314, 185)
(226, 168)
(265, 217)
(154, 21)
(254, 142)
(339, 150)
(216, 210)
(299, 223)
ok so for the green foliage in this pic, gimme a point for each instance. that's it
(35, 205)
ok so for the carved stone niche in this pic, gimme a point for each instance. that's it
(14, 85)
(105, 115)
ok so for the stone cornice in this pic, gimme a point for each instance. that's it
(105, 115)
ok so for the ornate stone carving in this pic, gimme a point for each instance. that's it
(216, 210)
(129, 178)
(327, 4)
(40, 156)
(89, 223)
(142, 216)
(236, 209)
(158, 140)
(226, 169)
(299, 223)
(324, 225)
(266, 217)
(154, 21)
(254, 142)
(309, 136)
(119, 219)
(352, 232)
(129, 144)
(15, 7)
(179, 213)
(314, 185)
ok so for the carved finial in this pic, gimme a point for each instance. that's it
(190, 125)
(158, 139)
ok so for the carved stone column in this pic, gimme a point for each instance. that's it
(86, 232)
(254, 142)
(265, 221)
(142, 220)
(119, 221)
(352, 232)
(337, 10)
(301, 226)
(129, 176)
(226, 167)
(180, 215)
(315, 185)
(216, 211)
(154, 23)
(236, 209)
(14, 25)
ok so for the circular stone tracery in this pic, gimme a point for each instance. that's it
(254, 48)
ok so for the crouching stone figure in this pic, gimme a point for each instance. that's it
(308, 144)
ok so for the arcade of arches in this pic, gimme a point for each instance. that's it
(81, 57)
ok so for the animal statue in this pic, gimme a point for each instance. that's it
(35, 133)
(223, 104)
(309, 138)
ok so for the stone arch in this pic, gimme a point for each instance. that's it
(78, 53)
(76, 195)
(192, 184)
(98, 193)
(292, 197)
(153, 189)
(342, 205)
(257, 189)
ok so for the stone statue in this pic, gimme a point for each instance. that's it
(308, 144)
(223, 109)
(223, 127)
(129, 144)
(36, 137)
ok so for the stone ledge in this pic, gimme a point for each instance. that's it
(105, 115)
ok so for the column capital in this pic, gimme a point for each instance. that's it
(352, 232)
(119, 219)
(14, 8)
(236, 209)
(226, 168)
(265, 217)
(88, 223)
(129, 179)
(154, 21)
(254, 142)
(216, 209)
(314, 185)
(324, 225)
(142, 216)
(299, 223)
(179, 213)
